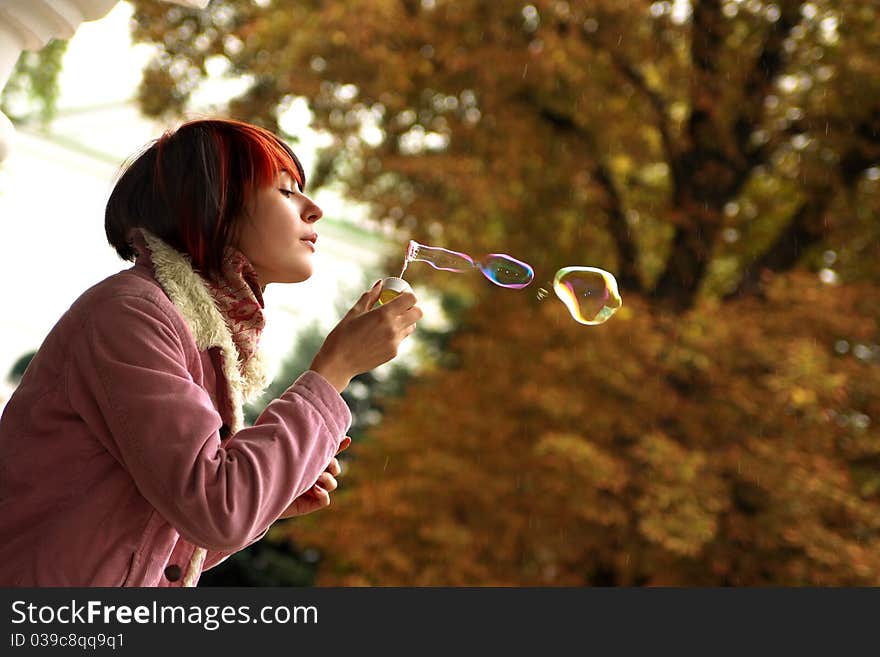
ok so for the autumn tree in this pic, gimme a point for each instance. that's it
(716, 156)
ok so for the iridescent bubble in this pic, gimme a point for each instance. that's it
(506, 271)
(589, 293)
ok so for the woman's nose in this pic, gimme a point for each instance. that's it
(312, 213)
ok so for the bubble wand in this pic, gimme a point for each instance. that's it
(590, 294)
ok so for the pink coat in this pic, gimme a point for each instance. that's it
(123, 456)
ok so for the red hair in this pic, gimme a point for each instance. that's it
(193, 184)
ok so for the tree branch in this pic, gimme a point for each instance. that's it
(708, 173)
(618, 226)
(706, 40)
(805, 228)
(759, 83)
(689, 256)
(658, 103)
(628, 277)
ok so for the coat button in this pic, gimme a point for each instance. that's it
(172, 573)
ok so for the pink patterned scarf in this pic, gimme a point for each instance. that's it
(239, 299)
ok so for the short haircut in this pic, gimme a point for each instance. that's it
(190, 186)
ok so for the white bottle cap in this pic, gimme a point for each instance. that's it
(396, 285)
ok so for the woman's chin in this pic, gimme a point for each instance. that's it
(298, 277)
(295, 273)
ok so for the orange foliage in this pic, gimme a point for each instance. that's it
(728, 446)
(691, 153)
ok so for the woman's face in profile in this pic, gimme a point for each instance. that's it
(278, 233)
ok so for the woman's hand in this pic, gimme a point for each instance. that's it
(366, 338)
(318, 496)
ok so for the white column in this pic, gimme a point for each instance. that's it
(10, 48)
(31, 24)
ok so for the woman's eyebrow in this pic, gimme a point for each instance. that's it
(286, 179)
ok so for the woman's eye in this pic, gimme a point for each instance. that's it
(288, 193)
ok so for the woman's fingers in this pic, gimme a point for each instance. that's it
(403, 301)
(411, 316)
(402, 309)
(327, 481)
(366, 300)
(321, 495)
(405, 323)
(334, 467)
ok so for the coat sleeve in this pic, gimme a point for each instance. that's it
(129, 380)
(216, 557)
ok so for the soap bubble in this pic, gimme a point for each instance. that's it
(506, 271)
(590, 294)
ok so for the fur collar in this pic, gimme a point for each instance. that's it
(189, 294)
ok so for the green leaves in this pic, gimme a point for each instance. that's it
(32, 90)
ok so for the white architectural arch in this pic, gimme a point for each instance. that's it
(31, 24)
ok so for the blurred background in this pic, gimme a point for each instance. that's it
(720, 157)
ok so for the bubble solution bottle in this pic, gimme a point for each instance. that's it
(392, 287)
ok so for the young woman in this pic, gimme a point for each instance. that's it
(124, 460)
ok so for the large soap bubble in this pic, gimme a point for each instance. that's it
(589, 293)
